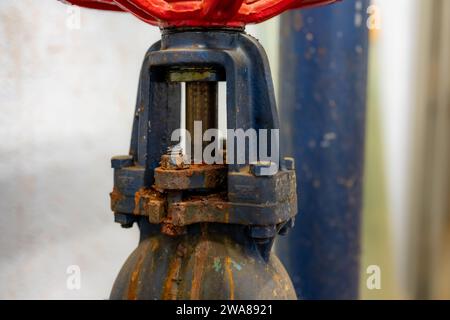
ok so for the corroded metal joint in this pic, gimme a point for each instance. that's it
(204, 227)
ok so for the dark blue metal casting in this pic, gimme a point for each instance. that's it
(250, 105)
(322, 107)
(206, 230)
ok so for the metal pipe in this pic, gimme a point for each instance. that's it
(323, 68)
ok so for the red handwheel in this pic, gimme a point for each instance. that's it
(200, 13)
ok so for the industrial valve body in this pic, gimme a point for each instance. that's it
(207, 229)
(208, 262)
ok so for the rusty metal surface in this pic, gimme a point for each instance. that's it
(251, 201)
(208, 262)
(215, 210)
(194, 177)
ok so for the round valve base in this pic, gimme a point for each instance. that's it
(200, 13)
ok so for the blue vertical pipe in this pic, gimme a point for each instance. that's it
(323, 76)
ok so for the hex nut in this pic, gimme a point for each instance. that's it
(289, 163)
(258, 168)
(263, 232)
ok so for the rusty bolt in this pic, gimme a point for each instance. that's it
(174, 159)
(263, 232)
(261, 168)
(289, 163)
(119, 162)
(174, 150)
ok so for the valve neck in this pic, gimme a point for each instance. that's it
(173, 30)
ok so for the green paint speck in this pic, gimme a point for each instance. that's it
(217, 264)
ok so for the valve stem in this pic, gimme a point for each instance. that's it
(201, 105)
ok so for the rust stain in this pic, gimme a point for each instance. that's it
(227, 216)
(199, 208)
(134, 281)
(171, 230)
(170, 290)
(137, 199)
(154, 245)
(116, 196)
(152, 203)
(201, 253)
(277, 279)
(211, 176)
(230, 276)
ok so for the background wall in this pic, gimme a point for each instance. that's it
(68, 83)
(66, 96)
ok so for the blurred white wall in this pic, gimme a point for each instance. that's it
(395, 49)
(66, 100)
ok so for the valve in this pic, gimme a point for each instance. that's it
(206, 228)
